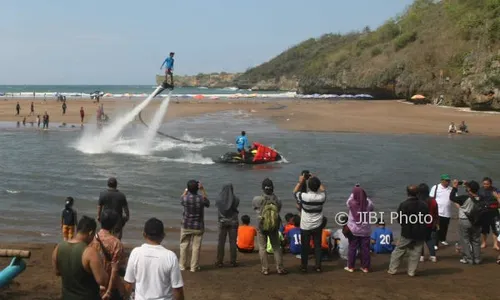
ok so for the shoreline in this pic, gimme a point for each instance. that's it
(308, 115)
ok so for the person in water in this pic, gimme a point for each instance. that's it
(169, 67)
(463, 128)
(241, 142)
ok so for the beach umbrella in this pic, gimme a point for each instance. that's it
(199, 97)
(418, 97)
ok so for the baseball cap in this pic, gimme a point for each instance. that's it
(445, 177)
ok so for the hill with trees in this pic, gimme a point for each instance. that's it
(447, 50)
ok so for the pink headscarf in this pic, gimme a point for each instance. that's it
(359, 203)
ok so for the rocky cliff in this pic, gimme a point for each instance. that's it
(212, 80)
(447, 50)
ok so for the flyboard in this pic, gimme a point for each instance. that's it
(164, 86)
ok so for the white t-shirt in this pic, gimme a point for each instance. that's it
(311, 215)
(155, 272)
(443, 200)
(343, 245)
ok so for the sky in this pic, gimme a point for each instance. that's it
(125, 42)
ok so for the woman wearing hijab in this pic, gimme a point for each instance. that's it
(358, 223)
(227, 204)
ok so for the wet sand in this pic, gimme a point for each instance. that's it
(390, 117)
(446, 279)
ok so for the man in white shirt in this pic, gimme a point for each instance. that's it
(441, 192)
(312, 221)
(154, 269)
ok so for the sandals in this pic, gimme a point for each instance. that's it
(282, 272)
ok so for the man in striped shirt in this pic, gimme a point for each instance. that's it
(193, 223)
(312, 221)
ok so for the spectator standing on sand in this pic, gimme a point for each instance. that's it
(32, 112)
(69, 219)
(412, 233)
(115, 200)
(227, 204)
(64, 108)
(18, 108)
(38, 120)
(268, 207)
(430, 239)
(193, 224)
(82, 115)
(153, 269)
(470, 231)
(491, 193)
(79, 266)
(359, 206)
(441, 192)
(310, 203)
(110, 249)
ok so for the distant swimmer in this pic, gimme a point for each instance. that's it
(241, 142)
(169, 67)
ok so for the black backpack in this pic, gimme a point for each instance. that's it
(483, 211)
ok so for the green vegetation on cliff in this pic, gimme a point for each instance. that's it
(449, 48)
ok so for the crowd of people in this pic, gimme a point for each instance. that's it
(93, 265)
(43, 120)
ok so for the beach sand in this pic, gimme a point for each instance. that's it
(446, 279)
(389, 117)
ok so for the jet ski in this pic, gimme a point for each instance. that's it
(96, 94)
(258, 154)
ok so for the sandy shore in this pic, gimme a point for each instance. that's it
(446, 279)
(391, 117)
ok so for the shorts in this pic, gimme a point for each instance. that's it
(68, 231)
(489, 227)
(169, 71)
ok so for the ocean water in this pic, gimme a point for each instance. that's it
(128, 91)
(39, 169)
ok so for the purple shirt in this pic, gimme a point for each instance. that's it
(194, 208)
(364, 228)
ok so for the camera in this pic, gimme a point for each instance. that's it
(460, 182)
(306, 174)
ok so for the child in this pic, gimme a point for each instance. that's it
(293, 237)
(289, 224)
(382, 240)
(341, 240)
(68, 220)
(246, 236)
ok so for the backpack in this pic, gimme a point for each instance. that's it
(270, 219)
(483, 210)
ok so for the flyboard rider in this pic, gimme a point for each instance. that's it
(169, 67)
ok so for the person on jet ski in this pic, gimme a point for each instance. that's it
(241, 142)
